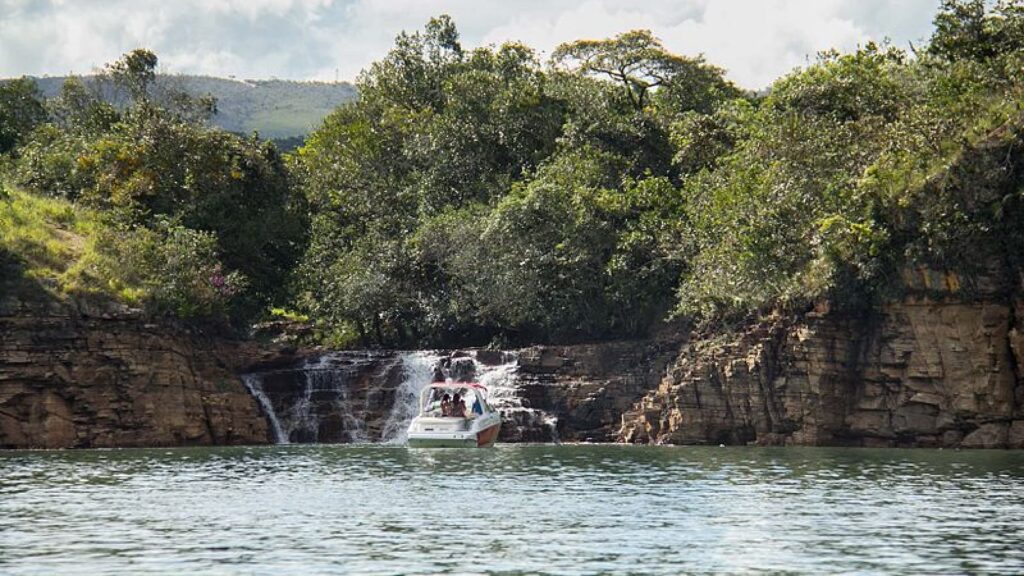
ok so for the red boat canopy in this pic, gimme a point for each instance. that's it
(459, 385)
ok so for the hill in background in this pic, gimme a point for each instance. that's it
(281, 110)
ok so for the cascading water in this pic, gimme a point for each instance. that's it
(373, 396)
(325, 399)
(328, 377)
(422, 368)
(419, 369)
(503, 392)
(255, 385)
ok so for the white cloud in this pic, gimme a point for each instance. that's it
(755, 40)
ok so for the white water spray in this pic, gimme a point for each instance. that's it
(343, 386)
(418, 371)
(504, 395)
(422, 368)
(255, 385)
(326, 376)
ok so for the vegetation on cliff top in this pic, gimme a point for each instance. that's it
(194, 222)
(41, 240)
(474, 196)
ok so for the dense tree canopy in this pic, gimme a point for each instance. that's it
(179, 199)
(476, 195)
(480, 195)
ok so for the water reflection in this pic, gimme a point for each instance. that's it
(556, 509)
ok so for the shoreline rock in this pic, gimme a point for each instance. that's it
(100, 378)
(914, 374)
(917, 373)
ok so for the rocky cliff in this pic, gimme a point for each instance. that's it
(588, 387)
(76, 376)
(916, 373)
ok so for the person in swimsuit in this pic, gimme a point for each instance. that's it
(458, 406)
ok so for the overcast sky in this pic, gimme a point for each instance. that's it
(754, 40)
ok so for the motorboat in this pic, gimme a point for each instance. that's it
(454, 414)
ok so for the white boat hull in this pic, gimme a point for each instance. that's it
(431, 432)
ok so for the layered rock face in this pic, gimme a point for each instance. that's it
(372, 396)
(544, 393)
(915, 373)
(589, 386)
(333, 398)
(911, 374)
(72, 378)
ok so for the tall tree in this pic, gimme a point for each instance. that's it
(977, 30)
(135, 73)
(640, 63)
(21, 110)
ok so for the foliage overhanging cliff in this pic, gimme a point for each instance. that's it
(475, 196)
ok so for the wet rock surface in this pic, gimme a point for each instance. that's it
(333, 398)
(589, 386)
(359, 396)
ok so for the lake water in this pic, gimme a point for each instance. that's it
(514, 509)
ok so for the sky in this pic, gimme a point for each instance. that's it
(756, 41)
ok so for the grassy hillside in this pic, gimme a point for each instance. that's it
(43, 241)
(277, 109)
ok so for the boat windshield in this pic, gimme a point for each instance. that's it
(453, 402)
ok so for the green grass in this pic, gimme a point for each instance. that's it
(41, 241)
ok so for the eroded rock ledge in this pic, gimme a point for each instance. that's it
(912, 374)
(916, 373)
(87, 377)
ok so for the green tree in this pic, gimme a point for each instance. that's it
(701, 140)
(413, 73)
(474, 196)
(135, 72)
(156, 162)
(768, 217)
(79, 109)
(21, 110)
(640, 64)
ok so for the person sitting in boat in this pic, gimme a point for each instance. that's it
(458, 406)
(446, 405)
(433, 403)
(478, 408)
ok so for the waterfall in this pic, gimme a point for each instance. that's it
(324, 399)
(373, 396)
(498, 375)
(255, 385)
(329, 376)
(504, 394)
(419, 369)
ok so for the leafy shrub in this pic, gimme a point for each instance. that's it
(156, 161)
(169, 269)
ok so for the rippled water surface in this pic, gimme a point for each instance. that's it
(513, 509)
